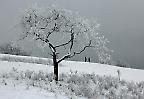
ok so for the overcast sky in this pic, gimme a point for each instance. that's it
(122, 22)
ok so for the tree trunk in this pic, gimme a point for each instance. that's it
(55, 63)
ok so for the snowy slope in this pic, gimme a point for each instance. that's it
(19, 92)
(14, 90)
(67, 66)
(27, 59)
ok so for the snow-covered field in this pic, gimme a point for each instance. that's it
(26, 63)
(19, 91)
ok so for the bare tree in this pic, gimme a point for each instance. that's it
(66, 34)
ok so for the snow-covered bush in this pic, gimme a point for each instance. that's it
(82, 85)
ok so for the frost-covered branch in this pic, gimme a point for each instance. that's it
(84, 48)
(64, 57)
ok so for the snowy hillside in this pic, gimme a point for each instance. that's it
(20, 92)
(26, 59)
(21, 80)
(67, 66)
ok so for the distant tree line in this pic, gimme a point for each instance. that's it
(9, 48)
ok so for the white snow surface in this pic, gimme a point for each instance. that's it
(127, 74)
(19, 92)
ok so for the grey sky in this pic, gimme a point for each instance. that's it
(122, 22)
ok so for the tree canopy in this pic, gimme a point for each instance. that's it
(65, 33)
